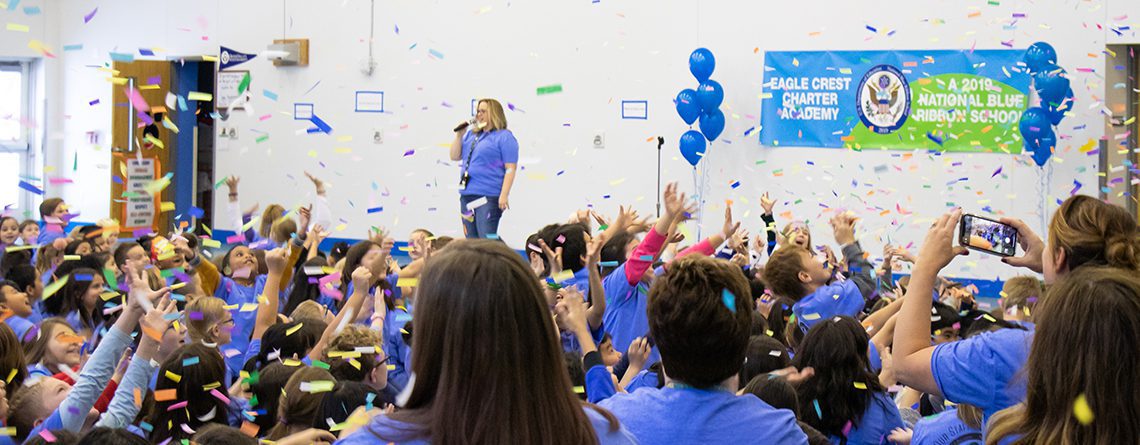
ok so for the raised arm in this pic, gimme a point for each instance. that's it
(650, 247)
(597, 292)
(267, 310)
(122, 410)
(859, 268)
(912, 349)
(361, 281)
(708, 245)
(769, 221)
(234, 205)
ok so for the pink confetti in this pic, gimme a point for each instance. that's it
(178, 405)
(48, 436)
(136, 99)
(219, 396)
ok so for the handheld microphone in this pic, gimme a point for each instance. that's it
(464, 125)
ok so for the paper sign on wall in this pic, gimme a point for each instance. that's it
(228, 85)
(369, 101)
(635, 109)
(139, 210)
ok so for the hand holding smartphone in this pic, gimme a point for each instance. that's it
(987, 235)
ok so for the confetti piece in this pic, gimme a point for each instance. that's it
(173, 377)
(549, 89)
(9, 431)
(729, 300)
(190, 361)
(31, 188)
(199, 96)
(1082, 411)
(294, 329)
(249, 428)
(860, 385)
(562, 276)
(317, 386)
(54, 287)
(218, 395)
(18, 27)
(408, 282)
(164, 395)
(90, 15)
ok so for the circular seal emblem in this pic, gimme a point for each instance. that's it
(884, 99)
(225, 57)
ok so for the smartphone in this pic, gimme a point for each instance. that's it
(986, 235)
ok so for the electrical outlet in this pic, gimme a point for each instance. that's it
(377, 137)
(599, 140)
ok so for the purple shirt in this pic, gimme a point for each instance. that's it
(487, 165)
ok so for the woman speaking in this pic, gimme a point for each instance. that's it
(489, 154)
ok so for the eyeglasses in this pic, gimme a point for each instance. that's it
(230, 321)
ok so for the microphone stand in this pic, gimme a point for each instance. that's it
(660, 142)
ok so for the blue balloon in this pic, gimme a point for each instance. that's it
(1034, 124)
(1051, 84)
(701, 64)
(1039, 55)
(692, 146)
(687, 106)
(712, 124)
(710, 95)
(1057, 113)
(1043, 148)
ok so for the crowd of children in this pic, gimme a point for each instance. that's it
(622, 333)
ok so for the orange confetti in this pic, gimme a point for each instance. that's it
(152, 333)
(249, 428)
(163, 395)
(69, 338)
(138, 397)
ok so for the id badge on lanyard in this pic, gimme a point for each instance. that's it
(467, 165)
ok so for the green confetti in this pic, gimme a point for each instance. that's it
(244, 83)
(262, 139)
(549, 89)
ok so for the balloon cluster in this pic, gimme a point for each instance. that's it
(703, 104)
(1052, 86)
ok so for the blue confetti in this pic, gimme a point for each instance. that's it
(729, 300)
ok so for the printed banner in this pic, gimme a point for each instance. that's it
(900, 100)
(230, 58)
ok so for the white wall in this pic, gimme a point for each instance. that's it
(601, 53)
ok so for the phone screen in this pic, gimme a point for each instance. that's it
(988, 235)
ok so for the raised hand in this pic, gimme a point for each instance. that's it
(730, 227)
(938, 248)
(317, 183)
(305, 215)
(843, 225)
(275, 259)
(1030, 243)
(626, 216)
(767, 203)
(553, 256)
(638, 353)
(158, 320)
(361, 279)
(232, 183)
(570, 311)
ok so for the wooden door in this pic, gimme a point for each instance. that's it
(142, 146)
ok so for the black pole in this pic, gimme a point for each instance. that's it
(660, 142)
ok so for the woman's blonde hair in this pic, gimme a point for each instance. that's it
(496, 119)
(271, 214)
(202, 315)
(309, 310)
(1084, 348)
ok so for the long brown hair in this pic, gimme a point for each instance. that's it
(1094, 233)
(486, 358)
(1085, 345)
(192, 381)
(12, 358)
(35, 350)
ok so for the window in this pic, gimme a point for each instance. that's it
(12, 100)
(15, 146)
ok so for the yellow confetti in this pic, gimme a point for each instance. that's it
(1082, 411)
(196, 95)
(860, 385)
(54, 287)
(173, 377)
(409, 282)
(294, 329)
(166, 206)
(562, 276)
(18, 27)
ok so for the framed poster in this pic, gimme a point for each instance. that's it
(227, 88)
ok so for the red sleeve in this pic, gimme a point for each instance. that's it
(642, 257)
(105, 398)
(703, 247)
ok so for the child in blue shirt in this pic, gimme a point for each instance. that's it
(700, 315)
(844, 400)
(818, 290)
